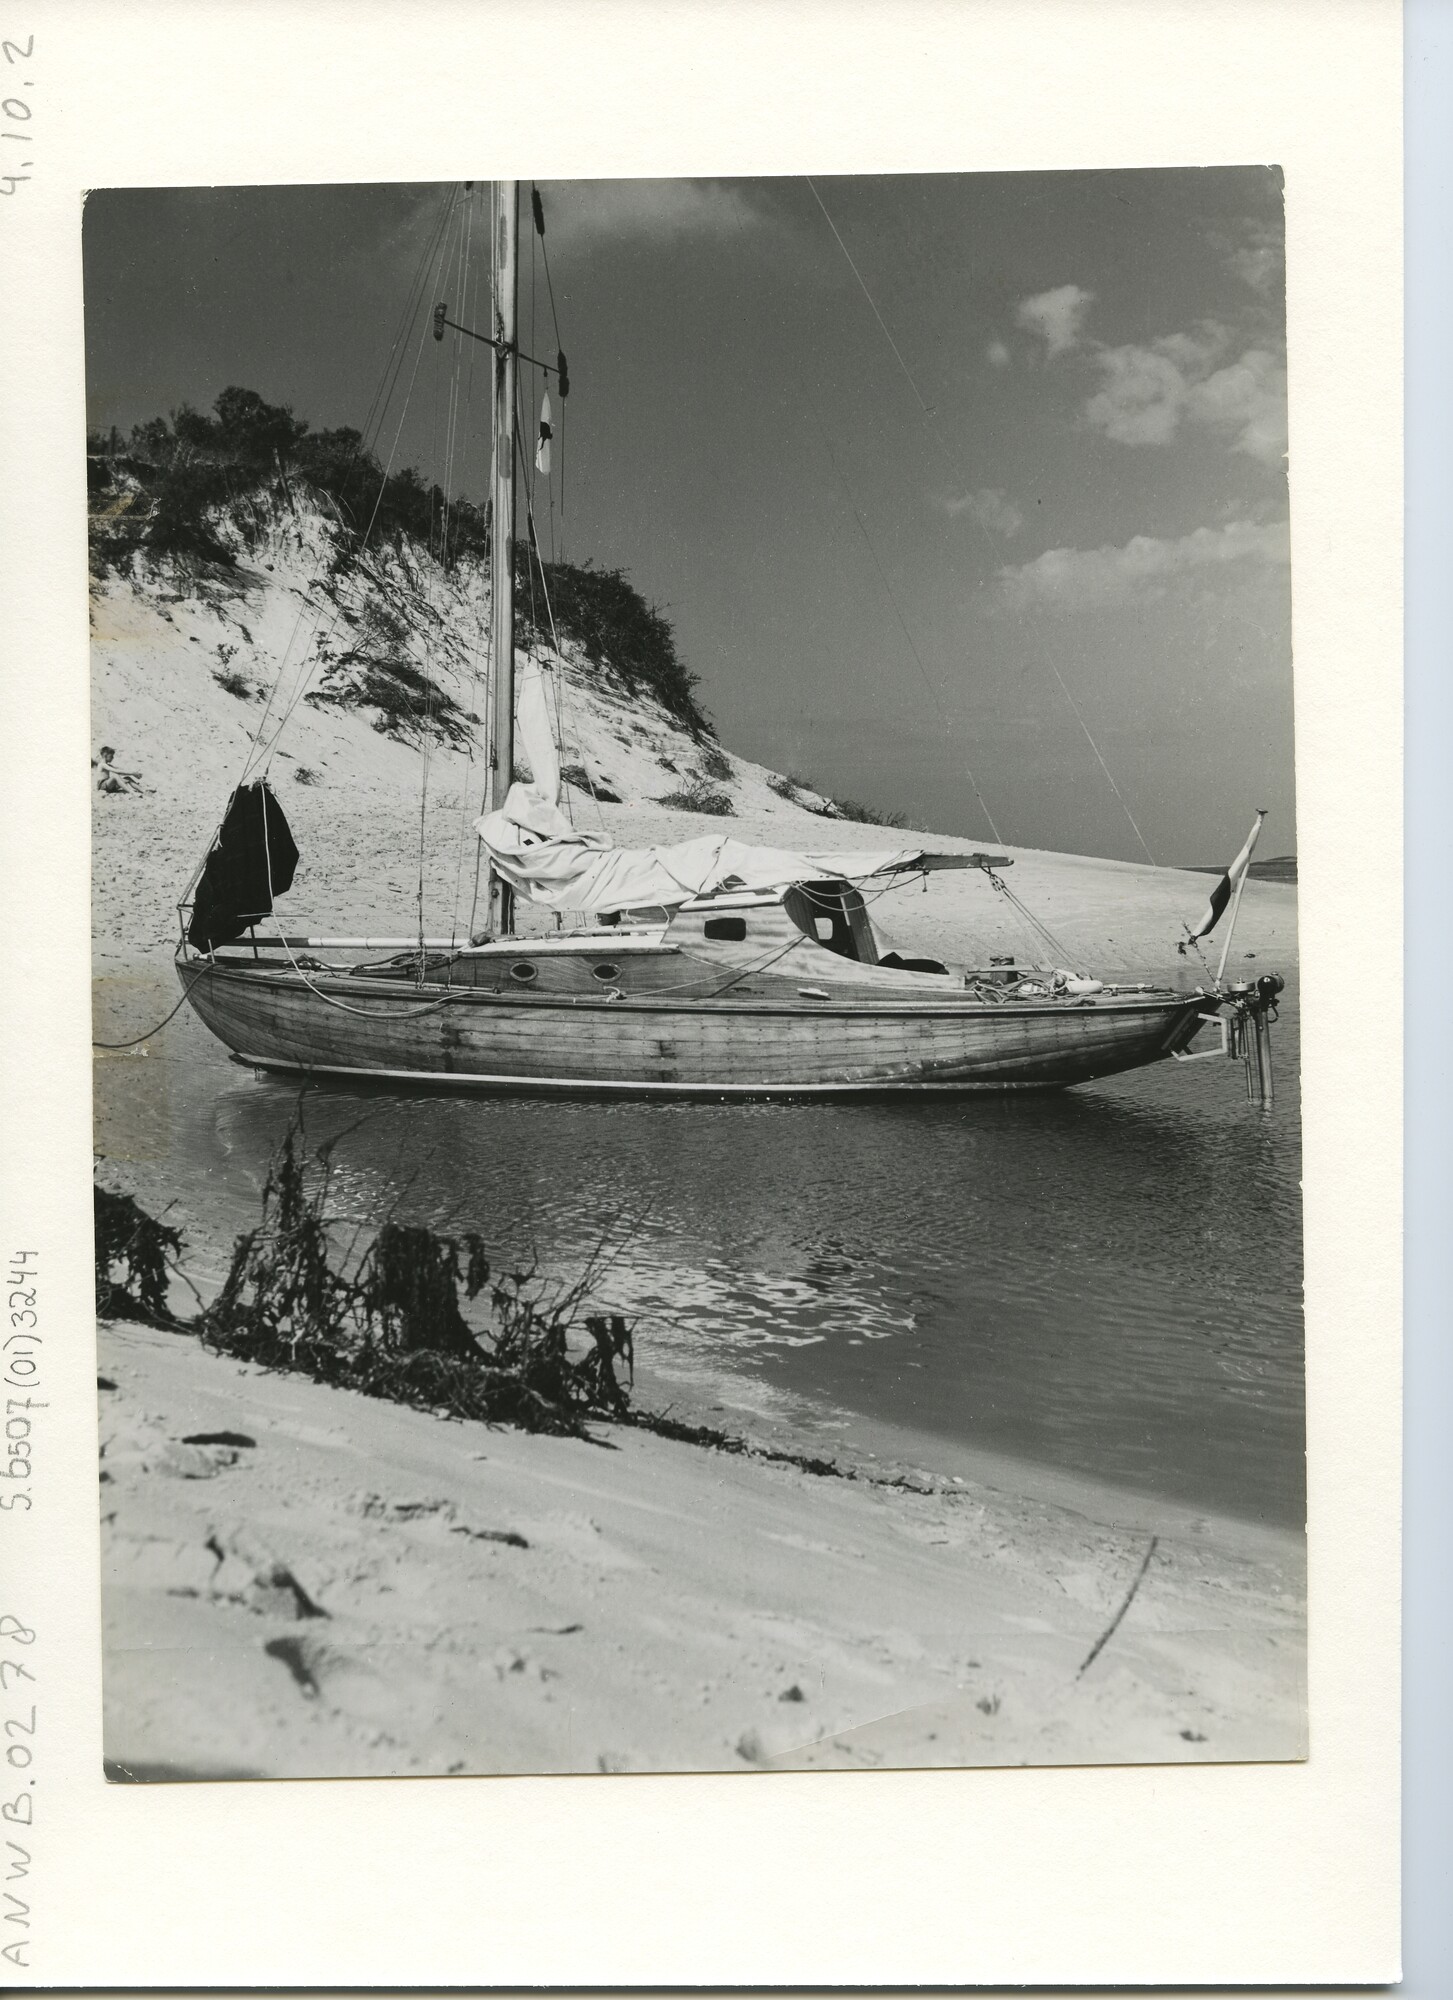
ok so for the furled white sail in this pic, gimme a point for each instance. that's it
(534, 847)
(537, 732)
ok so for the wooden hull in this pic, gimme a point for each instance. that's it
(464, 1037)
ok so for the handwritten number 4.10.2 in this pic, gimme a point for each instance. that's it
(16, 111)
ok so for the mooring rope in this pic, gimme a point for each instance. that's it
(136, 1040)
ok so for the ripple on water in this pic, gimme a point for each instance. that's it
(1106, 1279)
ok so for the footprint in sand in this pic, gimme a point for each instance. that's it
(141, 1446)
(229, 1571)
(441, 1513)
(508, 1661)
(579, 1537)
(337, 1678)
(253, 1576)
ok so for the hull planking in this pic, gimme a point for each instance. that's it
(465, 1036)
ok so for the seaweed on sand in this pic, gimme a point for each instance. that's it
(392, 1325)
(134, 1255)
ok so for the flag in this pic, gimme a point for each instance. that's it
(542, 448)
(1225, 889)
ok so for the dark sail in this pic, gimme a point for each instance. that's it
(252, 860)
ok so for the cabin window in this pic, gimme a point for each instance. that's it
(606, 971)
(726, 930)
(524, 973)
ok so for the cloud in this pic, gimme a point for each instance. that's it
(1056, 316)
(1256, 256)
(989, 507)
(1145, 568)
(1147, 394)
(1248, 398)
(997, 354)
(1142, 398)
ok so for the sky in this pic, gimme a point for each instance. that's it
(965, 494)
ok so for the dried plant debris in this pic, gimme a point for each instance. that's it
(418, 1318)
(135, 1255)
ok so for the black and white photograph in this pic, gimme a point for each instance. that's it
(697, 1106)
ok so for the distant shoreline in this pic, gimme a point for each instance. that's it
(1280, 868)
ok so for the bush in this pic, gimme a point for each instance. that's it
(408, 702)
(184, 494)
(185, 471)
(803, 793)
(194, 465)
(614, 626)
(854, 809)
(696, 796)
(580, 778)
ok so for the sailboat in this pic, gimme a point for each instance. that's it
(711, 969)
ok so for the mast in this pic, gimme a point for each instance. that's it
(502, 535)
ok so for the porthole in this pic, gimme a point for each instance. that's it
(606, 971)
(726, 930)
(524, 973)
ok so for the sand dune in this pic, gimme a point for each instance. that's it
(353, 794)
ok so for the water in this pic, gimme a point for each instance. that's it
(1105, 1280)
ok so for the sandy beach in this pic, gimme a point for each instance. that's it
(300, 1581)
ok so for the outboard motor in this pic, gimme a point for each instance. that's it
(1253, 1009)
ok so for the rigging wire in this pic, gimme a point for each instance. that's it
(928, 413)
(862, 283)
(305, 679)
(943, 716)
(378, 410)
(388, 376)
(538, 210)
(557, 674)
(1037, 928)
(489, 676)
(445, 489)
(1075, 708)
(465, 800)
(439, 552)
(432, 253)
(369, 1013)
